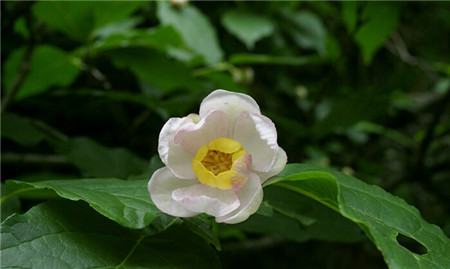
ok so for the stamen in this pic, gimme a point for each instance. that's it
(217, 162)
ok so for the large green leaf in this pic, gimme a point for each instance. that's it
(247, 27)
(299, 218)
(125, 202)
(78, 20)
(381, 215)
(64, 234)
(49, 66)
(380, 21)
(195, 29)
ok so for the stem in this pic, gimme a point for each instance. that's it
(430, 132)
(31, 158)
(24, 68)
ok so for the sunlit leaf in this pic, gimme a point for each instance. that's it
(125, 202)
(195, 29)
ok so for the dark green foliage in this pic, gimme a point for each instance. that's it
(357, 87)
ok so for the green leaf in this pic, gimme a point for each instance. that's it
(247, 27)
(49, 66)
(156, 69)
(78, 20)
(21, 130)
(125, 202)
(203, 226)
(308, 30)
(65, 234)
(382, 216)
(195, 29)
(299, 218)
(118, 27)
(10, 206)
(380, 21)
(162, 38)
(95, 160)
(349, 11)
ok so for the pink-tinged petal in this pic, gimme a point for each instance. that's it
(278, 166)
(250, 197)
(167, 134)
(258, 136)
(192, 137)
(204, 199)
(231, 103)
(161, 186)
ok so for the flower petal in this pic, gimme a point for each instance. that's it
(250, 197)
(180, 139)
(278, 166)
(258, 136)
(192, 137)
(203, 199)
(167, 134)
(161, 186)
(231, 103)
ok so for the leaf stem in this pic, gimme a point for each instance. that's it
(5, 198)
(124, 261)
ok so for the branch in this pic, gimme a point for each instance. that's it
(24, 68)
(264, 242)
(397, 46)
(32, 158)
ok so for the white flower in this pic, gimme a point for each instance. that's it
(216, 161)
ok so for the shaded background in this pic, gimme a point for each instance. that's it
(361, 87)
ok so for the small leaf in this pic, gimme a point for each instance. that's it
(21, 130)
(49, 66)
(156, 69)
(380, 21)
(78, 20)
(64, 234)
(247, 27)
(349, 11)
(195, 29)
(162, 38)
(308, 31)
(125, 202)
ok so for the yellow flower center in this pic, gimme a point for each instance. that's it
(214, 163)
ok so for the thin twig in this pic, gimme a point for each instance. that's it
(397, 46)
(24, 68)
(264, 242)
(33, 158)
